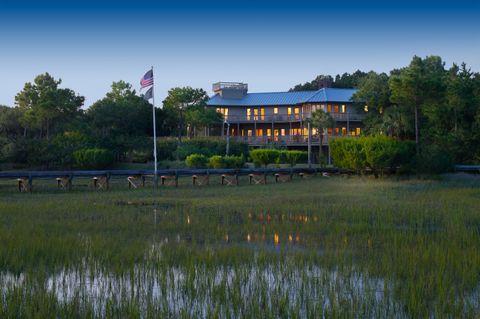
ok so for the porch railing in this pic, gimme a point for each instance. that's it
(289, 118)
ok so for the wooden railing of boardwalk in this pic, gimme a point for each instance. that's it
(25, 178)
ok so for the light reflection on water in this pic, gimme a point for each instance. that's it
(196, 290)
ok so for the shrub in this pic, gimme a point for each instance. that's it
(93, 158)
(292, 157)
(264, 156)
(196, 161)
(216, 161)
(233, 161)
(375, 152)
(209, 147)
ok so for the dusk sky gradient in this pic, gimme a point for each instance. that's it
(268, 44)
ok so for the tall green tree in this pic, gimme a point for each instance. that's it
(121, 112)
(179, 102)
(45, 106)
(417, 86)
(321, 121)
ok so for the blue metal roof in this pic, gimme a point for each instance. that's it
(286, 98)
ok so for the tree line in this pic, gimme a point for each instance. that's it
(435, 106)
(48, 123)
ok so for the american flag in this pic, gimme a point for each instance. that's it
(147, 79)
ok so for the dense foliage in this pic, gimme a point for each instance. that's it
(377, 153)
(437, 107)
(47, 125)
(93, 158)
(270, 156)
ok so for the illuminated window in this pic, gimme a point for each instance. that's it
(323, 108)
(275, 110)
(305, 131)
(262, 114)
(337, 130)
(249, 132)
(249, 113)
(223, 111)
(283, 132)
(259, 132)
(289, 111)
(357, 131)
(314, 131)
(365, 108)
(329, 131)
(343, 108)
(269, 132)
(344, 131)
(329, 108)
(243, 132)
(255, 114)
(335, 108)
(297, 110)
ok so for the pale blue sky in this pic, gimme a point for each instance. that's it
(271, 46)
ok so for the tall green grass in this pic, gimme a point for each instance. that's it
(320, 247)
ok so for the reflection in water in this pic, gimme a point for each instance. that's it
(194, 291)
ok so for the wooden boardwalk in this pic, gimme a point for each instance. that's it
(136, 178)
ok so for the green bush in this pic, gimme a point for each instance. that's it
(216, 161)
(374, 152)
(209, 146)
(264, 156)
(233, 161)
(434, 160)
(292, 157)
(196, 161)
(93, 158)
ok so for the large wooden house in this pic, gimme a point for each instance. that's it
(280, 117)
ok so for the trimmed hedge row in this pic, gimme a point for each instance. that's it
(216, 161)
(269, 156)
(377, 153)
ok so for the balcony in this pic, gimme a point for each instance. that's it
(278, 118)
(287, 140)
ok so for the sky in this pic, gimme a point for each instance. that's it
(271, 45)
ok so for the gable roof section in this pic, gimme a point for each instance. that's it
(285, 98)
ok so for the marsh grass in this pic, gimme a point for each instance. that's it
(321, 247)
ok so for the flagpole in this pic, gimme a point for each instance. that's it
(155, 178)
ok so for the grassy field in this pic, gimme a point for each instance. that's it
(320, 247)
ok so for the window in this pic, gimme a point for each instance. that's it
(365, 108)
(289, 111)
(329, 131)
(249, 132)
(305, 131)
(297, 110)
(223, 111)
(344, 131)
(262, 114)
(314, 131)
(357, 131)
(233, 132)
(269, 132)
(329, 108)
(259, 132)
(275, 110)
(323, 108)
(283, 132)
(335, 108)
(337, 131)
(255, 114)
(249, 114)
(343, 108)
